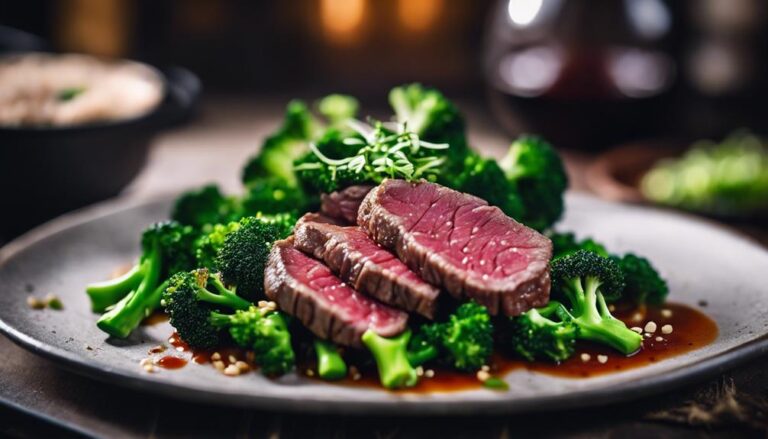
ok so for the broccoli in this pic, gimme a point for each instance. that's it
(243, 255)
(205, 206)
(484, 178)
(280, 149)
(564, 244)
(391, 356)
(200, 316)
(538, 176)
(274, 195)
(338, 109)
(265, 331)
(429, 114)
(540, 333)
(586, 280)
(465, 341)
(644, 285)
(208, 245)
(189, 304)
(330, 364)
(166, 248)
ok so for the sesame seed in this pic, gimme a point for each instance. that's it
(485, 367)
(419, 371)
(144, 362)
(585, 357)
(149, 368)
(232, 359)
(35, 303)
(429, 373)
(659, 338)
(356, 376)
(666, 329)
(231, 370)
(219, 365)
(242, 365)
(180, 348)
(602, 359)
(666, 313)
(216, 356)
(650, 327)
(611, 307)
(637, 317)
(310, 373)
(648, 335)
(637, 329)
(483, 375)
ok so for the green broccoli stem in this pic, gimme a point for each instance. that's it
(128, 313)
(220, 320)
(423, 354)
(225, 297)
(330, 364)
(107, 293)
(391, 359)
(597, 324)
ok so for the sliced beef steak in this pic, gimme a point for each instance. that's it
(308, 290)
(457, 241)
(366, 266)
(343, 204)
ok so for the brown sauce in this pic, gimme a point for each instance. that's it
(155, 318)
(692, 330)
(171, 362)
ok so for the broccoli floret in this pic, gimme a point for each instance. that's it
(265, 331)
(204, 206)
(428, 113)
(273, 195)
(540, 333)
(465, 341)
(644, 285)
(189, 304)
(586, 280)
(434, 118)
(338, 109)
(537, 173)
(243, 255)
(209, 244)
(330, 364)
(166, 248)
(391, 356)
(564, 244)
(484, 178)
(280, 149)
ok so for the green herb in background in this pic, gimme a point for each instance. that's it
(729, 178)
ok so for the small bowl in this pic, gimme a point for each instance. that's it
(45, 171)
(616, 174)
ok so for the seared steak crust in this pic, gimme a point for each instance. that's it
(457, 241)
(306, 289)
(367, 267)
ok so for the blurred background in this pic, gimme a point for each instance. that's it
(653, 76)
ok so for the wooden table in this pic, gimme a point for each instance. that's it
(41, 400)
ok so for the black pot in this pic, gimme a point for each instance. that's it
(45, 171)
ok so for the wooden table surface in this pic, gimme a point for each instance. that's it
(37, 399)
